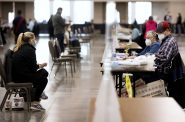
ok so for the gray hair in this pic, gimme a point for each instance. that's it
(152, 34)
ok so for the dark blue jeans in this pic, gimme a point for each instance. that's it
(60, 38)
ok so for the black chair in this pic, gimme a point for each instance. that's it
(84, 36)
(10, 86)
(62, 55)
(55, 55)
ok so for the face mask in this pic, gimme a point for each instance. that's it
(33, 43)
(161, 37)
(148, 42)
(68, 29)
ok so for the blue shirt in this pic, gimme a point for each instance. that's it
(135, 33)
(150, 49)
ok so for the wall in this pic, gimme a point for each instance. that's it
(16, 0)
(20, 6)
(29, 10)
(6, 7)
(122, 7)
(138, 0)
(161, 8)
(99, 12)
(175, 8)
(0, 10)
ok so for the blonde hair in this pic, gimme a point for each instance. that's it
(27, 37)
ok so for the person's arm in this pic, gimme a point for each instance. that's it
(66, 37)
(143, 52)
(61, 21)
(31, 59)
(164, 52)
(154, 48)
(42, 65)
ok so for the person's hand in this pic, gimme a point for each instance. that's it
(42, 65)
(131, 57)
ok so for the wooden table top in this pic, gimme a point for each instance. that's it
(161, 109)
(124, 45)
(151, 110)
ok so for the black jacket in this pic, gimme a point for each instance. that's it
(24, 64)
(19, 25)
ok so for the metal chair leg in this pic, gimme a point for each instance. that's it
(52, 67)
(71, 68)
(29, 94)
(4, 99)
(28, 98)
(74, 65)
(65, 68)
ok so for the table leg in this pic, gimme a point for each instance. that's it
(120, 84)
(134, 87)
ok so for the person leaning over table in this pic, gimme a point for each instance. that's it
(169, 64)
(152, 44)
(26, 69)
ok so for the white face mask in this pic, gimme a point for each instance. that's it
(68, 29)
(33, 42)
(148, 42)
(161, 36)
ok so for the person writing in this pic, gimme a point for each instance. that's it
(169, 63)
(152, 44)
(26, 69)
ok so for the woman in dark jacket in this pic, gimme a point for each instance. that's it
(25, 67)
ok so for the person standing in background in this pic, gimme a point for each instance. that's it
(179, 23)
(2, 37)
(168, 17)
(19, 25)
(59, 27)
(30, 25)
(50, 28)
(150, 25)
(36, 29)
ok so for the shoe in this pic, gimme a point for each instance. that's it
(43, 96)
(37, 107)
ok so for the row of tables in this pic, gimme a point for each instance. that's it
(163, 109)
(117, 69)
(145, 110)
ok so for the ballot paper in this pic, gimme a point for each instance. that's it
(140, 60)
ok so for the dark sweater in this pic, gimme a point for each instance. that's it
(24, 63)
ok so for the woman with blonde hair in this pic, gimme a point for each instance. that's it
(25, 67)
